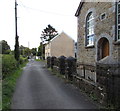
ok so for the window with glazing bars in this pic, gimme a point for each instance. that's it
(118, 21)
(89, 30)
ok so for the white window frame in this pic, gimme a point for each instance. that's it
(89, 41)
(102, 15)
(118, 24)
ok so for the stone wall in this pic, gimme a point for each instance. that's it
(108, 77)
(101, 81)
(99, 76)
(62, 65)
(86, 71)
(102, 28)
(104, 88)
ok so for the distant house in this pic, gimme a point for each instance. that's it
(62, 44)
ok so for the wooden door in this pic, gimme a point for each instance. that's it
(105, 48)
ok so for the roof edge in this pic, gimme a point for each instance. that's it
(60, 35)
(79, 8)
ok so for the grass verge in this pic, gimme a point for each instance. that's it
(0, 94)
(8, 86)
(62, 76)
(40, 60)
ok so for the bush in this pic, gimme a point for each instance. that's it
(22, 60)
(8, 64)
(62, 64)
(48, 62)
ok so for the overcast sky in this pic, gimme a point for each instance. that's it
(34, 16)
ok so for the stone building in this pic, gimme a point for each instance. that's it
(61, 45)
(98, 47)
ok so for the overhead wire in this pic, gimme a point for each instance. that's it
(42, 11)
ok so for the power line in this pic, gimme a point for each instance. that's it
(42, 11)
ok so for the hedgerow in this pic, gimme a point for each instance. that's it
(9, 64)
(22, 60)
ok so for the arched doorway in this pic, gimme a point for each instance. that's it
(103, 48)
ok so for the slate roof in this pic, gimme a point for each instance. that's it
(79, 8)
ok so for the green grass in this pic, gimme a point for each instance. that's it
(60, 76)
(40, 60)
(8, 86)
(0, 82)
(0, 94)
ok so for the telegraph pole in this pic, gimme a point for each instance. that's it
(16, 51)
(16, 18)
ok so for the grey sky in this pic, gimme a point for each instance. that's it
(34, 16)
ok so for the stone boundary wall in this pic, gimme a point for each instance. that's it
(63, 65)
(108, 77)
(101, 82)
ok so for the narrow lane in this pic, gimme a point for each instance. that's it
(37, 88)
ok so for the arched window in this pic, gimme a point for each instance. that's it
(89, 30)
(118, 20)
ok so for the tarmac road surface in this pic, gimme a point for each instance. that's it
(38, 88)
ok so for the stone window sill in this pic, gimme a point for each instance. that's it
(91, 46)
(116, 42)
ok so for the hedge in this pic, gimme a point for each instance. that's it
(9, 64)
(22, 60)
